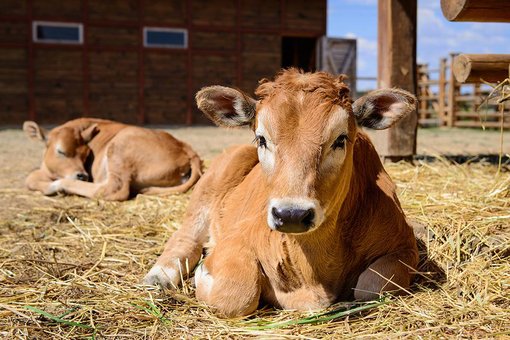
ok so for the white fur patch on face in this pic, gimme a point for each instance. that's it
(203, 279)
(59, 150)
(295, 203)
(338, 125)
(266, 154)
(164, 276)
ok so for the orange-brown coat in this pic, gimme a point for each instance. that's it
(307, 217)
(99, 158)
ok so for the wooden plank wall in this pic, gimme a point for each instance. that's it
(230, 43)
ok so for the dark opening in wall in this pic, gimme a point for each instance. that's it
(299, 52)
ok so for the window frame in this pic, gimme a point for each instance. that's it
(37, 23)
(148, 29)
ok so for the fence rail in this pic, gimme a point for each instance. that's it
(443, 101)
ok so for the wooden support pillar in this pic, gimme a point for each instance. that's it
(397, 68)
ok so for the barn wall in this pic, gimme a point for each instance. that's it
(230, 42)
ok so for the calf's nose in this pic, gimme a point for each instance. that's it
(81, 176)
(290, 220)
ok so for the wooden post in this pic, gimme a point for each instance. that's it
(476, 10)
(441, 92)
(452, 91)
(423, 90)
(470, 68)
(397, 68)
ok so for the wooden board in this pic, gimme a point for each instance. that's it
(113, 9)
(12, 7)
(213, 12)
(260, 14)
(221, 41)
(70, 9)
(13, 32)
(165, 90)
(260, 58)
(171, 12)
(58, 85)
(305, 14)
(211, 70)
(13, 86)
(113, 36)
(113, 85)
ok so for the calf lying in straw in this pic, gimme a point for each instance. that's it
(119, 160)
(307, 217)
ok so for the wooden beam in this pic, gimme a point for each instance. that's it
(476, 10)
(470, 68)
(397, 68)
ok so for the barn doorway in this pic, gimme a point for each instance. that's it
(299, 52)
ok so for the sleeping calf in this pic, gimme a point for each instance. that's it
(99, 158)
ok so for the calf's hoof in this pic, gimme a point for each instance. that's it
(162, 276)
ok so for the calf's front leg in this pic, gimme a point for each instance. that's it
(184, 248)
(37, 180)
(389, 273)
(229, 280)
(114, 189)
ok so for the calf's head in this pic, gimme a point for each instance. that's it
(66, 149)
(305, 125)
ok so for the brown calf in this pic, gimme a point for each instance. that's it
(307, 217)
(120, 160)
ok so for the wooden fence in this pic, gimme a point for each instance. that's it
(443, 101)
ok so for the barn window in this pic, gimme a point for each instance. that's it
(165, 37)
(57, 32)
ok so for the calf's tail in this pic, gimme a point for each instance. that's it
(196, 173)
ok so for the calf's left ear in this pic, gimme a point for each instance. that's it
(380, 109)
(89, 133)
(226, 106)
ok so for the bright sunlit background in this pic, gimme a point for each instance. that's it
(437, 37)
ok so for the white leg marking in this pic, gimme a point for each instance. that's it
(203, 279)
(163, 276)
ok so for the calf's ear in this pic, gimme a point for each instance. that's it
(380, 109)
(226, 106)
(34, 131)
(89, 133)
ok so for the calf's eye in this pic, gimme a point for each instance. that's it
(60, 152)
(340, 142)
(261, 142)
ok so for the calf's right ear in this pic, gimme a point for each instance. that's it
(34, 131)
(380, 109)
(226, 106)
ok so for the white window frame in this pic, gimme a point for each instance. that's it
(164, 29)
(78, 25)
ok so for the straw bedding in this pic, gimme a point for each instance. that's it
(71, 267)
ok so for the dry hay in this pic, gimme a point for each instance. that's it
(71, 267)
